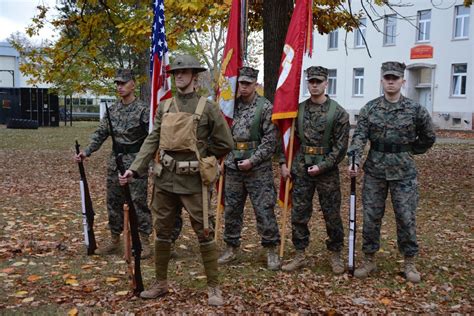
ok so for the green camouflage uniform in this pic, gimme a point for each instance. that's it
(326, 183)
(396, 131)
(130, 124)
(172, 190)
(257, 182)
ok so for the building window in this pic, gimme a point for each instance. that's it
(459, 81)
(332, 81)
(424, 23)
(390, 30)
(332, 39)
(358, 88)
(461, 22)
(360, 33)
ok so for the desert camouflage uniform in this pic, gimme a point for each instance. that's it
(130, 124)
(405, 123)
(257, 182)
(327, 183)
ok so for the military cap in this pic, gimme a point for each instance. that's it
(316, 72)
(186, 62)
(248, 74)
(393, 68)
(124, 75)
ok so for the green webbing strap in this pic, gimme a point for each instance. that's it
(327, 131)
(255, 127)
(330, 123)
(300, 123)
(167, 105)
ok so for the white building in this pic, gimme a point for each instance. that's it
(435, 42)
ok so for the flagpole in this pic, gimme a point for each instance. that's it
(287, 189)
(219, 204)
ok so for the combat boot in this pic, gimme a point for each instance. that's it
(337, 265)
(296, 263)
(230, 254)
(411, 274)
(273, 260)
(146, 247)
(214, 296)
(367, 267)
(110, 247)
(159, 288)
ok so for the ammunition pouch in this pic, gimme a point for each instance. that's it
(390, 147)
(187, 167)
(168, 162)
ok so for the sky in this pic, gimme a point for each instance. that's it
(15, 15)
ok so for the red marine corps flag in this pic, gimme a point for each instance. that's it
(285, 107)
(231, 62)
(159, 61)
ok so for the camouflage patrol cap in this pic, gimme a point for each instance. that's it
(186, 62)
(393, 68)
(123, 75)
(316, 72)
(248, 74)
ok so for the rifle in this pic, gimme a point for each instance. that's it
(127, 247)
(136, 244)
(87, 209)
(352, 222)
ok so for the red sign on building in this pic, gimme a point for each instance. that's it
(421, 51)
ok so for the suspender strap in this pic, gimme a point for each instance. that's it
(328, 130)
(329, 124)
(255, 127)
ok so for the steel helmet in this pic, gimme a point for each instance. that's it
(186, 62)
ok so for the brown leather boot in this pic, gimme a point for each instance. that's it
(146, 247)
(110, 247)
(159, 288)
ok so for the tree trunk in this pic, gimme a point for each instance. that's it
(276, 18)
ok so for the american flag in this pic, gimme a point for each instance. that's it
(159, 61)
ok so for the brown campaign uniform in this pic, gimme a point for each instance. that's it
(173, 188)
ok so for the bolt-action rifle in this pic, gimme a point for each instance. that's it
(87, 209)
(352, 222)
(136, 244)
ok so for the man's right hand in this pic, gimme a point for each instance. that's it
(79, 157)
(126, 177)
(285, 172)
(353, 173)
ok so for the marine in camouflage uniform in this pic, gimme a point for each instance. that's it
(249, 170)
(177, 183)
(315, 168)
(129, 118)
(397, 128)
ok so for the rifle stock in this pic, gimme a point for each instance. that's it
(136, 244)
(127, 245)
(352, 222)
(86, 209)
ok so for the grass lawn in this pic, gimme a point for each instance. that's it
(44, 268)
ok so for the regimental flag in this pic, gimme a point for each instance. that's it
(298, 42)
(231, 62)
(159, 61)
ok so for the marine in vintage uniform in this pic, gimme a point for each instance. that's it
(397, 128)
(189, 134)
(130, 118)
(249, 170)
(322, 128)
